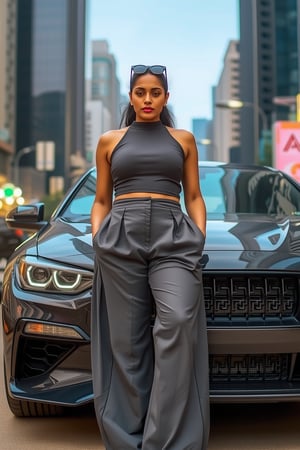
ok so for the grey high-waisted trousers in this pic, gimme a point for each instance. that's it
(150, 378)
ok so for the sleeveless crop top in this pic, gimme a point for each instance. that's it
(147, 159)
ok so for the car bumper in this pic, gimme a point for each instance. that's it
(254, 365)
(47, 366)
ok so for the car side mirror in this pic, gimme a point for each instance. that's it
(27, 217)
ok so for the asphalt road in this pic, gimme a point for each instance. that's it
(233, 427)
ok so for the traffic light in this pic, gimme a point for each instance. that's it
(10, 195)
(8, 190)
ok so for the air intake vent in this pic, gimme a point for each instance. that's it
(36, 357)
(242, 368)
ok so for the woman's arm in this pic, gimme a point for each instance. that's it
(194, 201)
(103, 198)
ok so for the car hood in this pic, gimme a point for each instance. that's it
(235, 242)
(253, 242)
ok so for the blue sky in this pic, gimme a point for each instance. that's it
(190, 37)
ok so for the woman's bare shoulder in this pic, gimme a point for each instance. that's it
(185, 138)
(109, 140)
(113, 135)
(181, 133)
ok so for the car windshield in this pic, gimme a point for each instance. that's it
(249, 191)
(226, 190)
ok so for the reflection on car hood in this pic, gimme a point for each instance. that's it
(247, 232)
(253, 242)
(236, 242)
(68, 243)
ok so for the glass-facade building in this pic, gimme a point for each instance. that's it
(50, 79)
(269, 65)
(287, 57)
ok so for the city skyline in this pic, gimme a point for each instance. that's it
(173, 36)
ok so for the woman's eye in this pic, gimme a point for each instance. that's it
(156, 93)
(139, 93)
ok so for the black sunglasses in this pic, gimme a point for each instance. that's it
(141, 69)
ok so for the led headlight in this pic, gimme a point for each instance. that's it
(38, 274)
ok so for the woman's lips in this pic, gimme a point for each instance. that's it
(147, 110)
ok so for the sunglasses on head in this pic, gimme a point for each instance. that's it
(141, 69)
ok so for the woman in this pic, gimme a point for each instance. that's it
(150, 382)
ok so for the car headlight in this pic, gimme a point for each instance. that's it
(36, 274)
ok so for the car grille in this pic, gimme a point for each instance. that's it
(37, 356)
(241, 368)
(295, 246)
(248, 296)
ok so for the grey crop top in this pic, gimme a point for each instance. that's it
(147, 159)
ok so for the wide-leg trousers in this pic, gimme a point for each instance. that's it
(149, 339)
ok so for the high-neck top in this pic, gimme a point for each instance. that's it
(147, 159)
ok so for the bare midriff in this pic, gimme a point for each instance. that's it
(146, 194)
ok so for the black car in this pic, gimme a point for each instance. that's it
(251, 268)
(9, 240)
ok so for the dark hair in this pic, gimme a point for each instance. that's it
(128, 115)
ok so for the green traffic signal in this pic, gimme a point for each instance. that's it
(8, 190)
(10, 195)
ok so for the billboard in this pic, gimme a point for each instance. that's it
(287, 148)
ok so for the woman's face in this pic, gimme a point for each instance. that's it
(148, 98)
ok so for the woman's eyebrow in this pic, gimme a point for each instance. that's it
(152, 89)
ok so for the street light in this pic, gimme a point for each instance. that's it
(208, 143)
(20, 153)
(238, 104)
(205, 141)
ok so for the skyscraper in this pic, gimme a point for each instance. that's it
(7, 78)
(226, 123)
(269, 65)
(50, 81)
(105, 84)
